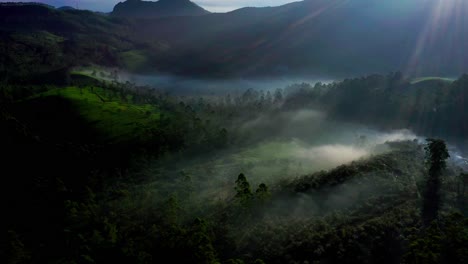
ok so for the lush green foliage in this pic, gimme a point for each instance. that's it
(117, 172)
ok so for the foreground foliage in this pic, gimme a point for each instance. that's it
(88, 177)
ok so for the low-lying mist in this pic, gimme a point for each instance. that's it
(283, 145)
(288, 145)
(187, 86)
(179, 85)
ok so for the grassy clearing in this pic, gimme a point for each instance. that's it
(116, 119)
(268, 162)
(134, 59)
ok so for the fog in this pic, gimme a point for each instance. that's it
(299, 143)
(283, 145)
(180, 85)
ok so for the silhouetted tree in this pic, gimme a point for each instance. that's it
(461, 188)
(437, 153)
(244, 193)
(278, 97)
(262, 192)
(202, 250)
(222, 138)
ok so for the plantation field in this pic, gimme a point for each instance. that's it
(115, 118)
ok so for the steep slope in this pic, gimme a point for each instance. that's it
(161, 8)
(36, 39)
(335, 37)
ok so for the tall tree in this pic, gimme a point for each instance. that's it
(436, 155)
(461, 189)
(243, 192)
(262, 192)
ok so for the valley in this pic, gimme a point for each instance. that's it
(312, 132)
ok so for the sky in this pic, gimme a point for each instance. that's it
(210, 5)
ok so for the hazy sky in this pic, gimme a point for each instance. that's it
(211, 5)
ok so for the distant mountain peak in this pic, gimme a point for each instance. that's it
(161, 8)
(66, 8)
(174, 1)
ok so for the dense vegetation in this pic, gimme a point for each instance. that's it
(101, 171)
(431, 107)
(98, 169)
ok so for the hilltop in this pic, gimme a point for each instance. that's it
(161, 8)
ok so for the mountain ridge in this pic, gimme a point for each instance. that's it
(335, 38)
(161, 8)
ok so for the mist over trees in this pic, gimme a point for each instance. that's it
(177, 194)
(100, 164)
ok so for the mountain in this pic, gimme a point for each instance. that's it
(36, 40)
(327, 38)
(161, 8)
(66, 8)
(322, 37)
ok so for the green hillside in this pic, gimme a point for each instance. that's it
(115, 118)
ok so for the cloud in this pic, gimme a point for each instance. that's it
(229, 5)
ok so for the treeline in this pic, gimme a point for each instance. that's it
(433, 108)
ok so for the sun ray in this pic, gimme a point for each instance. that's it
(428, 47)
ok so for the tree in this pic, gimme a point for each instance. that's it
(244, 194)
(436, 155)
(262, 192)
(461, 189)
(228, 100)
(222, 138)
(16, 251)
(201, 245)
(278, 97)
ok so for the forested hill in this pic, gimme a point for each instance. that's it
(431, 107)
(315, 37)
(38, 40)
(100, 172)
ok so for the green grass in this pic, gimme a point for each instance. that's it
(38, 37)
(431, 78)
(134, 59)
(115, 119)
